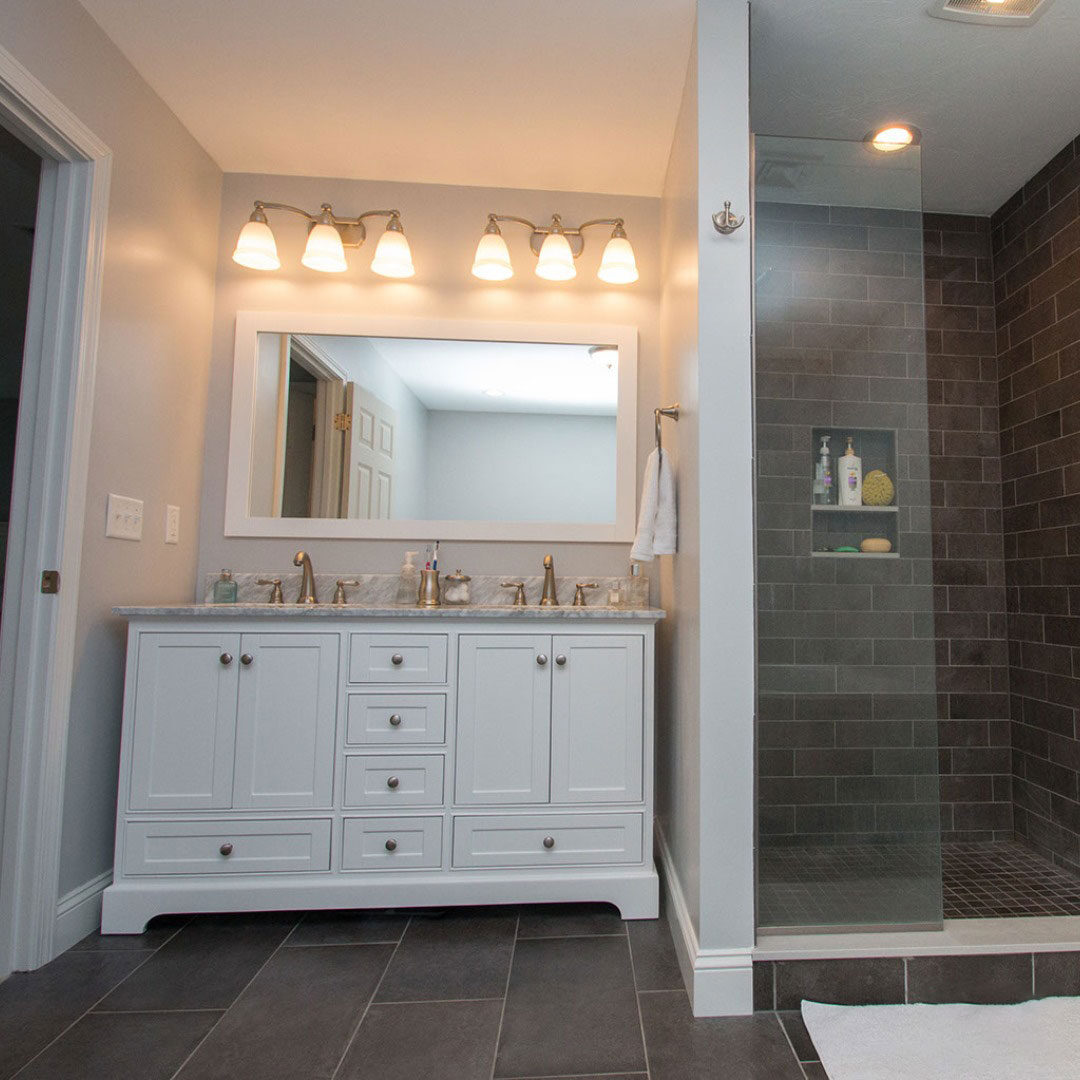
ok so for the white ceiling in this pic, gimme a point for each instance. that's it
(993, 104)
(573, 95)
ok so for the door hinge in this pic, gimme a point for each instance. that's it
(50, 581)
(342, 421)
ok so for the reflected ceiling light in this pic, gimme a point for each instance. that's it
(894, 137)
(492, 392)
(607, 356)
(556, 247)
(328, 237)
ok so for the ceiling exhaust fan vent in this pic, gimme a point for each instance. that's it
(990, 12)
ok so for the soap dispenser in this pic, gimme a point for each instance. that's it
(225, 588)
(409, 583)
(824, 493)
(850, 476)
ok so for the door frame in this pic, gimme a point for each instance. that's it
(48, 504)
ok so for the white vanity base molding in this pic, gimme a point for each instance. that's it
(290, 759)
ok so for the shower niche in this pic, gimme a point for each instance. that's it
(835, 529)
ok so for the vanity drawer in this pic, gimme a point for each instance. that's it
(547, 840)
(227, 847)
(394, 780)
(394, 719)
(391, 843)
(397, 658)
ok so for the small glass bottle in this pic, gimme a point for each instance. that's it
(225, 588)
(636, 591)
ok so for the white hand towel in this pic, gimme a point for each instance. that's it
(656, 530)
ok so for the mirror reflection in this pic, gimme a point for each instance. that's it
(422, 429)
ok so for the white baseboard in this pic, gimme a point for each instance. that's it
(720, 982)
(78, 913)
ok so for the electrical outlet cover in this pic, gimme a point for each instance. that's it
(124, 517)
(172, 524)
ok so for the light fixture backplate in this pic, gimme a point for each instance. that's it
(1009, 13)
(352, 236)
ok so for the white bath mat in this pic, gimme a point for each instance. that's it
(1036, 1040)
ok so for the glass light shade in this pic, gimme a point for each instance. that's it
(255, 247)
(392, 256)
(892, 138)
(324, 250)
(556, 261)
(618, 266)
(492, 262)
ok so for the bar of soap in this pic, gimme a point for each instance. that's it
(876, 544)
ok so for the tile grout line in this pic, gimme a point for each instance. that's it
(90, 1009)
(370, 1001)
(637, 1002)
(791, 1045)
(506, 994)
(225, 1011)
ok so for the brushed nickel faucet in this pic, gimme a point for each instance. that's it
(550, 597)
(307, 579)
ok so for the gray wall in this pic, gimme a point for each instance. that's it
(150, 395)
(443, 224)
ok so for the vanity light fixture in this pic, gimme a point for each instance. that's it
(894, 137)
(328, 237)
(556, 247)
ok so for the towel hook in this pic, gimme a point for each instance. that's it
(671, 412)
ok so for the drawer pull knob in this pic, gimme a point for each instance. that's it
(391, 845)
(392, 782)
(395, 720)
(560, 660)
(397, 659)
(541, 659)
(246, 659)
(226, 849)
(549, 842)
(225, 658)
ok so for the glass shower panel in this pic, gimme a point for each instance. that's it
(848, 799)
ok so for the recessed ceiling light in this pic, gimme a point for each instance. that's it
(894, 137)
(492, 392)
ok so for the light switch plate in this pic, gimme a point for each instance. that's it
(124, 517)
(172, 524)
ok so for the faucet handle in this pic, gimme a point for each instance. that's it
(275, 592)
(519, 596)
(579, 592)
(339, 594)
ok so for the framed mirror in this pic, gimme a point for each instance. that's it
(348, 426)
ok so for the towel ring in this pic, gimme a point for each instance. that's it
(671, 412)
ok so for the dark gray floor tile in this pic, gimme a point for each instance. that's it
(799, 1036)
(980, 980)
(569, 920)
(814, 1070)
(136, 1046)
(594, 1076)
(296, 1017)
(656, 966)
(157, 933)
(205, 966)
(571, 1010)
(840, 982)
(349, 928)
(681, 1047)
(462, 954)
(425, 1041)
(1057, 974)
(36, 1006)
(763, 986)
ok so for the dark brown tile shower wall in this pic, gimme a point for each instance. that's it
(1036, 246)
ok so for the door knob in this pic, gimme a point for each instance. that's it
(549, 842)
(392, 782)
(226, 659)
(395, 720)
(226, 849)
(541, 659)
(246, 659)
(390, 845)
(397, 659)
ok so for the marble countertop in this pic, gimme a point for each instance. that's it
(360, 611)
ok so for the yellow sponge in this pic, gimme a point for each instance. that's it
(877, 489)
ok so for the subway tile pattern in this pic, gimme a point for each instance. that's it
(1036, 257)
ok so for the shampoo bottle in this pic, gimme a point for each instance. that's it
(850, 476)
(824, 494)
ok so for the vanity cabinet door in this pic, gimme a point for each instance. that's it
(503, 719)
(596, 719)
(285, 720)
(183, 723)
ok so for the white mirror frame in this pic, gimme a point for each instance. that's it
(249, 324)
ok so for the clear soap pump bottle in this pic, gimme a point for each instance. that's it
(823, 478)
(409, 584)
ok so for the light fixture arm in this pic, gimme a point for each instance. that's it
(352, 229)
(538, 232)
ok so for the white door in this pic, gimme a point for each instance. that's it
(286, 720)
(368, 476)
(503, 719)
(185, 716)
(596, 719)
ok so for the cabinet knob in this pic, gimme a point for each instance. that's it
(390, 845)
(560, 660)
(541, 659)
(225, 658)
(246, 659)
(226, 849)
(549, 842)
(397, 659)
(392, 782)
(395, 720)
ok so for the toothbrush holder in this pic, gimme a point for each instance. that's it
(429, 589)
